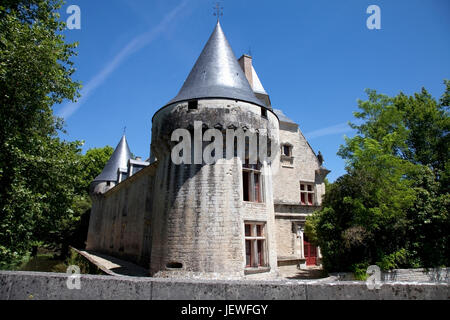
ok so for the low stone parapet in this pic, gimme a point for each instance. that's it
(54, 286)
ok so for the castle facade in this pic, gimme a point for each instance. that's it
(231, 218)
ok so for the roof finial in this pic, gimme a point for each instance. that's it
(124, 130)
(218, 10)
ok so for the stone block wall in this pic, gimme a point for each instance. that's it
(120, 222)
(301, 168)
(53, 286)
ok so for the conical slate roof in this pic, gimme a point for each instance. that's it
(217, 74)
(119, 159)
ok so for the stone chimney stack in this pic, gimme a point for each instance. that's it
(246, 64)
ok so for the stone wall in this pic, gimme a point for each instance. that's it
(286, 238)
(121, 219)
(406, 275)
(302, 167)
(419, 275)
(53, 286)
(289, 213)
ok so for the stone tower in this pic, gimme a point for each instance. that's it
(201, 224)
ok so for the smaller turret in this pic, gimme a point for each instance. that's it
(111, 174)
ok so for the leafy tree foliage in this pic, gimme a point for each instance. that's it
(92, 165)
(391, 208)
(38, 171)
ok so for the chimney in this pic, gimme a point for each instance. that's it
(246, 64)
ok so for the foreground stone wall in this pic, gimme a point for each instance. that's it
(33, 285)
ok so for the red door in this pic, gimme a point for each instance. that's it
(310, 252)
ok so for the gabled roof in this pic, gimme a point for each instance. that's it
(217, 74)
(119, 159)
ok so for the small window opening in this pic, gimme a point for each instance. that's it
(287, 150)
(174, 265)
(193, 105)
(263, 113)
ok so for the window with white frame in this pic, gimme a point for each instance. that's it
(255, 245)
(252, 182)
(307, 194)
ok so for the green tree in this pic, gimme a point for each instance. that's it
(39, 173)
(92, 164)
(391, 208)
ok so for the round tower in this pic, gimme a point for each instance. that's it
(108, 178)
(213, 219)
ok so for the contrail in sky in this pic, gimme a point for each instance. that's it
(134, 45)
(328, 131)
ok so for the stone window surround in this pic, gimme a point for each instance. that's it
(251, 188)
(290, 149)
(255, 238)
(313, 191)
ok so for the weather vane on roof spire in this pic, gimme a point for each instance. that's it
(218, 10)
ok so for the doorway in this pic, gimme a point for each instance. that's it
(310, 252)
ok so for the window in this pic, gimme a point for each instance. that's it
(263, 112)
(307, 194)
(255, 245)
(286, 150)
(252, 182)
(193, 105)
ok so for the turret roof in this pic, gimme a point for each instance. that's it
(217, 74)
(119, 159)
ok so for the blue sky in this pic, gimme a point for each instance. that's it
(314, 57)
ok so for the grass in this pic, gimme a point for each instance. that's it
(49, 261)
(43, 263)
